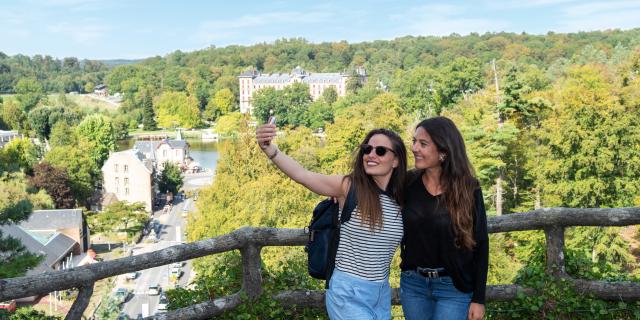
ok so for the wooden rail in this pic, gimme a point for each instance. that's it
(250, 240)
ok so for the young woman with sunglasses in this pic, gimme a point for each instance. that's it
(359, 287)
(445, 252)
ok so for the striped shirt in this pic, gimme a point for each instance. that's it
(368, 254)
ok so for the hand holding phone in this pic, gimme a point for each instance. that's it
(272, 120)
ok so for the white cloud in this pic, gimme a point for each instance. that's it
(442, 20)
(598, 8)
(509, 4)
(83, 33)
(226, 29)
(600, 21)
(74, 5)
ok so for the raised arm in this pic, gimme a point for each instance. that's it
(327, 185)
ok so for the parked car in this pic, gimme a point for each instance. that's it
(123, 316)
(154, 290)
(122, 295)
(8, 305)
(131, 275)
(178, 264)
(176, 272)
(163, 302)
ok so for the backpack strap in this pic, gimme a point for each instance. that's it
(350, 203)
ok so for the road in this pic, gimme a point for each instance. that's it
(170, 229)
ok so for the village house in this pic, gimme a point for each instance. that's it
(128, 176)
(101, 90)
(59, 235)
(6, 136)
(166, 150)
(252, 81)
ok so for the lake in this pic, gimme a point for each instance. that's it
(205, 153)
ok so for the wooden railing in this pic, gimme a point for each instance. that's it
(250, 240)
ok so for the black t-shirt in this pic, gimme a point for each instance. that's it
(429, 239)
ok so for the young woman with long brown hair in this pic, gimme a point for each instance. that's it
(359, 287)
(445, 251)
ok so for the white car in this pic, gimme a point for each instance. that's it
(154, 290)
(178, 264)
(176, 272)
(163, 302)
(131, 275)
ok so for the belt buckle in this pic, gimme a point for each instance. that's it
(428, 272)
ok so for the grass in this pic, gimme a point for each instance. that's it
(83, 101)
(88, 101)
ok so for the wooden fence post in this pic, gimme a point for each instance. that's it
(555, 250)
(251, 270)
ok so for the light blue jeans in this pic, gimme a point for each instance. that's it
(432, 298)
(353, 298)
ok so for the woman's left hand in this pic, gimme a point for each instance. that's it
(476, 311)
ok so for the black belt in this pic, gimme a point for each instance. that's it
(432, 273)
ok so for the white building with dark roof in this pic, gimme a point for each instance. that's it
(252, 81)
(128, 176)
(167, 150)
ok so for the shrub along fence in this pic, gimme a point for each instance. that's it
(250, 240)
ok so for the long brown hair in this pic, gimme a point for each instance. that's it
(366, 189)
(457, 178)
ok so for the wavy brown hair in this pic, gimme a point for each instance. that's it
(366, 189)
(457, 178)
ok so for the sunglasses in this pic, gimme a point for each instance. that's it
(380, 150)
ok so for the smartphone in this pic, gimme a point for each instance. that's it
(272, 120)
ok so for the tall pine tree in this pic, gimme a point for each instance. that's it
(148, 116)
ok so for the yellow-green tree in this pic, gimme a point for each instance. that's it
(176, 109)
(591, 143)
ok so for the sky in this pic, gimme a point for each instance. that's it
(134, 29)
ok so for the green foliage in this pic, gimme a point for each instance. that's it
(594, 162)
(176, 109)
(28, 313)
(15, 206)
(170, 179)
(228, 125)
(555, 298)
(290, 105)
(28, 93)
(330, 95)
(83, 171)
(19, 154)
(225, 101)
(120, 216)
(62, 135)
(98, 130)
(14, 116)
(148, 115)
(42, 119)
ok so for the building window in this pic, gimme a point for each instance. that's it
(126, 181)
(164, 153)
(117, 181)
(117, 190)
(126, 168)
(115, 167)
(126, 191)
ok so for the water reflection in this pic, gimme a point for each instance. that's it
(205, 153)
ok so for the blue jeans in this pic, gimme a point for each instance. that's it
(353, 298)
(432, 298)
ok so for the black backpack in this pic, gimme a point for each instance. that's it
(324, 234)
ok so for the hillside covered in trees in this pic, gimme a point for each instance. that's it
(549, 120)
